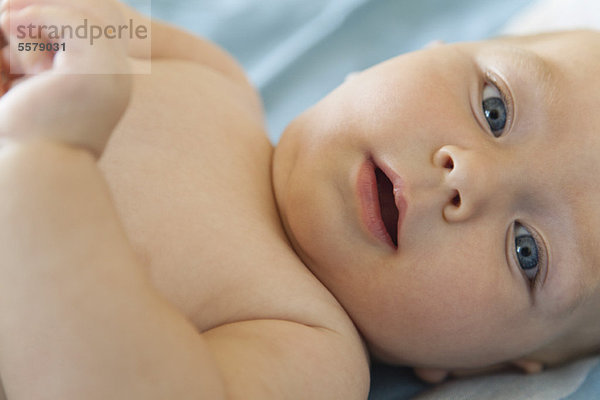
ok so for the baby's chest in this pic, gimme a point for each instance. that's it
(189, 169)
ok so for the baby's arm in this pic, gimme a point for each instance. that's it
(79, 318)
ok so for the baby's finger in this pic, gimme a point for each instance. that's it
(9, 80)
(24, 57)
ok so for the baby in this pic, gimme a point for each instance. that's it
(437, 210)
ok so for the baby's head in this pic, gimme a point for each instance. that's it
(483, 159)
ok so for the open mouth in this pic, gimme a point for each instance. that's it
(387, 205)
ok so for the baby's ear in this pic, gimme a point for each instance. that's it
(528, 366)
(431, 375)
(434, 44)
(351, 75)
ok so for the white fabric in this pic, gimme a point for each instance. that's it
(546, 15)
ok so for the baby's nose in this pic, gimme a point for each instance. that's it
(468, 182)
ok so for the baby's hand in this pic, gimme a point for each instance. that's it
(69, 89)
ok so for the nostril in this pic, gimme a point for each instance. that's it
(443, 158)
(456, 200)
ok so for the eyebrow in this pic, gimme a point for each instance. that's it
(536, 67)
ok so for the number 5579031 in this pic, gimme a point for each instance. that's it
(41, 46)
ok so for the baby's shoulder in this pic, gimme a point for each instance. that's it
(173, 43)
(288, 331)
(286, 357)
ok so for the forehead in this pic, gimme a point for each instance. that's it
(560, 74)
(570, 69)
(573, 60)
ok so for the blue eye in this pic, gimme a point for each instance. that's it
(494, 109)
(526, 249)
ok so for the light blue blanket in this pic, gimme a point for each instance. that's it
(296, 51)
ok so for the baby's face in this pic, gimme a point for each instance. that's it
(449, 199)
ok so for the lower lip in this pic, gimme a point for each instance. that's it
(369, 203)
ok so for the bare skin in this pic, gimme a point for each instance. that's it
(143, 244)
